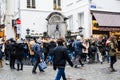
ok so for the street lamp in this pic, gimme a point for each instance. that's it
(28, 31)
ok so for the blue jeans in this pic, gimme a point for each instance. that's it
(61, 73)
(107, 56)
(70, 52)
(32, 59)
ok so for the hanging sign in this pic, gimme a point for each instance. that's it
(18, 21)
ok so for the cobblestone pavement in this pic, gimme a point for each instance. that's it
(95, 71)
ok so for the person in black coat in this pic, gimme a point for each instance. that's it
(19, 51)
(59, 60)
(7, 52)
(52, 45)
(12, 53)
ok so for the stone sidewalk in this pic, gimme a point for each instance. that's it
(95, 71)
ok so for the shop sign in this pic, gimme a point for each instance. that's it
(93, 6)
(18, 21)
(108, 29)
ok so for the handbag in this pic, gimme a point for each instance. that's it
(42, 65)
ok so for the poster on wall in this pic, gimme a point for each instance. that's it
(18, 29)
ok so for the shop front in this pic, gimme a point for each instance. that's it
(2, 31)
(106, 24)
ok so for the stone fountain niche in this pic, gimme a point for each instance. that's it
(56, 26)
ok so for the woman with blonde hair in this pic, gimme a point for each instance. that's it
(31, 52)
(85, 51)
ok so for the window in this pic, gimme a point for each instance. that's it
(70, 23)
(30, 3)
(81, 19)
(57, 4)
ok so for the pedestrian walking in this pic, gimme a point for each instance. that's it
(12, 53)
(19, 51)
(1, 55)
(60, 58)
(78, 46)
(7, 52)
(113, 50)
(51, 46)
(31, 44)
(38, 56)
(85, 52)
(1, 51)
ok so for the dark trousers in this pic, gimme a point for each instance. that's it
(19, 64)
(36, 63)
(12, 61)
(78, 60)
(35, 66)
(113, 60)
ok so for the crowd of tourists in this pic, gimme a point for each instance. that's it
(77, 51)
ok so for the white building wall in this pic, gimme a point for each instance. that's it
(10, 7)
(2, 11)
(34, 20)
(74, 8)
(44, 5)
(9, 31)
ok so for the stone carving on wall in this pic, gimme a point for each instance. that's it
(56, 25)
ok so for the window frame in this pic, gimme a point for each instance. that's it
(57, 4)
(31, 4)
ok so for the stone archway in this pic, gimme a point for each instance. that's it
(56, 26)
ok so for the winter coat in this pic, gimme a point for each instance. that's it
(78, 46)
(112, 51)
(19, 51)
(51, 47)
(60, 57)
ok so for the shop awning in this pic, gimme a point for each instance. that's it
(108, 19)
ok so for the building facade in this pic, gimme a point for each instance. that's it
(33, 14)
(81, 13)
